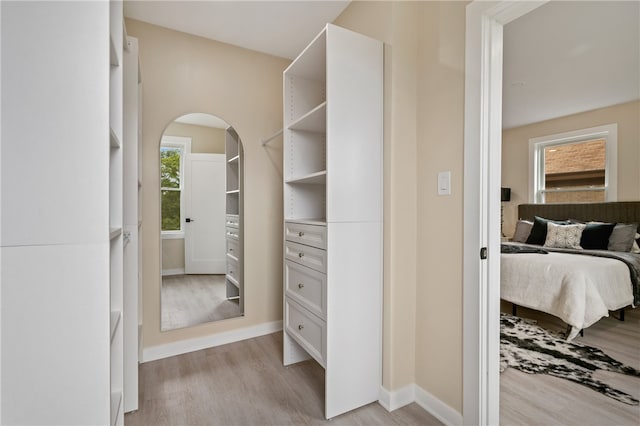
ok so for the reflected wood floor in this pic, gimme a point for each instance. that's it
(539, 399)
(195, 299)
(245, 383)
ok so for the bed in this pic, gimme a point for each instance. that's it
(579, 286)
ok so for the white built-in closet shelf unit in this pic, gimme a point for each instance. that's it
(333, 114)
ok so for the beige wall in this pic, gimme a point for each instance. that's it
(183, 74)
(515, 152)
(424, 98)
(172, 254)
(204, 140)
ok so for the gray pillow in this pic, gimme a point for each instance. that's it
(523, 229)
(622, 237)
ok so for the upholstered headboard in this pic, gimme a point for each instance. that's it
(619, 211)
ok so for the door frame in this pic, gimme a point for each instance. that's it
(482, 181)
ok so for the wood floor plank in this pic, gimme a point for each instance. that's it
(539, 399)
(245, 383)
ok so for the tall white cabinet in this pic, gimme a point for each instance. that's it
(333, 115)
(62, 240)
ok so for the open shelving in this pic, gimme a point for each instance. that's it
(332, 178)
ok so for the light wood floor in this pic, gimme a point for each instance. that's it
(195, 299)
(244, 383)
(539, 399)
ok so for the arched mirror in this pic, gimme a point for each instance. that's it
(201, 189)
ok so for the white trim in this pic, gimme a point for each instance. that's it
(392, 400)
(482, 182)
(176, 271)
(172, 235)
(608, 132)
(185, 346)
(437, 408)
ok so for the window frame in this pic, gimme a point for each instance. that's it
(608, 132)
(184, 145)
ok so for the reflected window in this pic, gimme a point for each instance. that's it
(172, 153)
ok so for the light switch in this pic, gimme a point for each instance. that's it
(444, 183)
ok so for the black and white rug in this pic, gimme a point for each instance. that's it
(531, 349)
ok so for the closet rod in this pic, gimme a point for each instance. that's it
(272, 137)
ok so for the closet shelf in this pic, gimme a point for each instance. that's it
(234, 159)
(115, 320)
(113, 139)
(308, 221)
(311, 62)
(114, 59)
(116, 401)
(233, 281)
(115, 233)
(314, 121)
(317, 178)
(232, 257)
(233, 191)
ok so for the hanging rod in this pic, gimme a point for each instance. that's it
(272, 137)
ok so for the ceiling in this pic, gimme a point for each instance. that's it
(570, 57)
(279, 28)
(560, 59)
(202, 119)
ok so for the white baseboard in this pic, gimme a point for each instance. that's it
(167, 272)
(398, 398)
(414, 393)
(184, 346)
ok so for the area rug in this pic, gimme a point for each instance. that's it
(531, 349)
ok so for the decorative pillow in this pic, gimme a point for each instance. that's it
(636, 248)
(622, 237)
(595, 236)
(539, 230)
(564, 236)
(523, 229)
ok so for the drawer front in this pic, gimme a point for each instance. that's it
(233, 220)
(307, 329)
(233, 272)
(233, 233)
(311, 235)
(233, 248)
(308, 256)
(307, 287)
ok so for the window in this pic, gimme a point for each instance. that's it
(172, 154)
(572, 167)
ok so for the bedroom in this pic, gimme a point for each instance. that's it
(609, 100)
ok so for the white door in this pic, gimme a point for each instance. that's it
(204, 237)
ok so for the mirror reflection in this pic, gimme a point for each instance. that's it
(201, 190)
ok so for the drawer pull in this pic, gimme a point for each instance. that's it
(300, 327)
(301, 255)
(300, 285)
(300, 234)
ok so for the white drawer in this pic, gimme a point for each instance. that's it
(233, 248)
(312, 257)
(233, 272)
(233, 220)
(306, 286)
(311, 235)
(307, 329)
(233, 233)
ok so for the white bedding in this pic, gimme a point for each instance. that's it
(577, 289)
